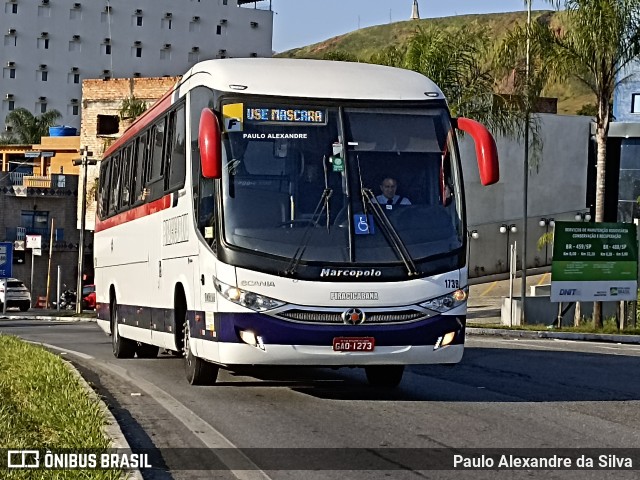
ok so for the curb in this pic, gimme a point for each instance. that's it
(536, 334)
(48, 318)
(112, 429)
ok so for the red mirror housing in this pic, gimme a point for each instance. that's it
(210, 144)
(486, 150)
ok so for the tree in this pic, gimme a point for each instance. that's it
(457, 61)
(28, 129)
(601, 39)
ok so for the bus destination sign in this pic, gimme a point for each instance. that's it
(594, 262)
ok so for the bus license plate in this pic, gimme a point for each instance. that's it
(353, 344)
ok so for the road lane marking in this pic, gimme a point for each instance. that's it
(64, 350)
(227, 452)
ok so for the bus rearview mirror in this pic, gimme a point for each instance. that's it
(209, 142)
(486, 150)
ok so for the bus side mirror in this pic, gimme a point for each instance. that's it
(486, 149)
(209, 142)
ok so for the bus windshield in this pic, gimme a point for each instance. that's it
(303, 180)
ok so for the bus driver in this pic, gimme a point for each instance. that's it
(388, 196)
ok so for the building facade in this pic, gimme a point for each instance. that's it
(38, 196)
(623, 148)
(50, 46)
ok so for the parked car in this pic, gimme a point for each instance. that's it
(17, 295)
(89, 297)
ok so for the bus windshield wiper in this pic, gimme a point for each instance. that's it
(389, 231)
(323, 204)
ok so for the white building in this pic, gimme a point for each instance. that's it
(50, 46)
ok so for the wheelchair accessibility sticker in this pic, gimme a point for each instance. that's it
(363, 224)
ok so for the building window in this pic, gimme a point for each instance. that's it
(218, 29)
(12, 73)
(43, 107)
(107, 49)
(36, 222)
(44, 75)
(76, 78)
(139, 21)
(107, 124)
(12, 8)
(635, 103)
(11, 105)
(224, 2)
(75, 110)
(138, 52)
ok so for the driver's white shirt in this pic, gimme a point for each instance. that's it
(397, 200)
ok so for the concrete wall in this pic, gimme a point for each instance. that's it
(557, 189)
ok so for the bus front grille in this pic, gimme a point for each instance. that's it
(309, 316)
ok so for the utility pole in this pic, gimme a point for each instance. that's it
(525, 182)
(84, 161)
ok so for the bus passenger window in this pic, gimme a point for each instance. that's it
(177, 166)
(141, 165)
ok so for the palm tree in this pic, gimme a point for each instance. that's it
(601, 39)
(457, 62)
(29, 129)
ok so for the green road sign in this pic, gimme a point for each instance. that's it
(594, 262)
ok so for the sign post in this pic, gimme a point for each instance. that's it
(6, 265)
(594, 262)
(34, 242)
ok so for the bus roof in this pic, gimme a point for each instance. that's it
(297, 78)
(316, 79)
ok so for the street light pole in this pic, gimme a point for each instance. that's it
(84, 161)
(525, 181)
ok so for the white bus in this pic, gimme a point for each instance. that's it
(242, 220)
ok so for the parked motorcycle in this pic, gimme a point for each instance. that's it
(67, 300)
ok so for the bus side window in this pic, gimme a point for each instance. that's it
(155, 184)
(177, 167)
(125, 183)
(168, 142)
(114, 189)
(141, 166)
(103, 189)
(156, 158)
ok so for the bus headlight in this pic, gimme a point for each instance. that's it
(446, 302)
(251, 300)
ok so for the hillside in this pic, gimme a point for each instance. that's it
(366, 41)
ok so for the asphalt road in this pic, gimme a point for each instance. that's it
(506, 394)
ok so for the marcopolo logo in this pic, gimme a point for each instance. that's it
(355, 273)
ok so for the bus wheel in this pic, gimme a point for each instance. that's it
(122, 347)
(199, 371)
(387, 376)
(144, 350)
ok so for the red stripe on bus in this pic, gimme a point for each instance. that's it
(135, 213)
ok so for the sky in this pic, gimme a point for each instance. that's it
(297, 23)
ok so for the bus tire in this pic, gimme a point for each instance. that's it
(198, 371)
(386, 376)
(144, 350)
(122, 347)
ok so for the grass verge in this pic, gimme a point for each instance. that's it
(43, 406)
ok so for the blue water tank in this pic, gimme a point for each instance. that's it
(62, 131)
